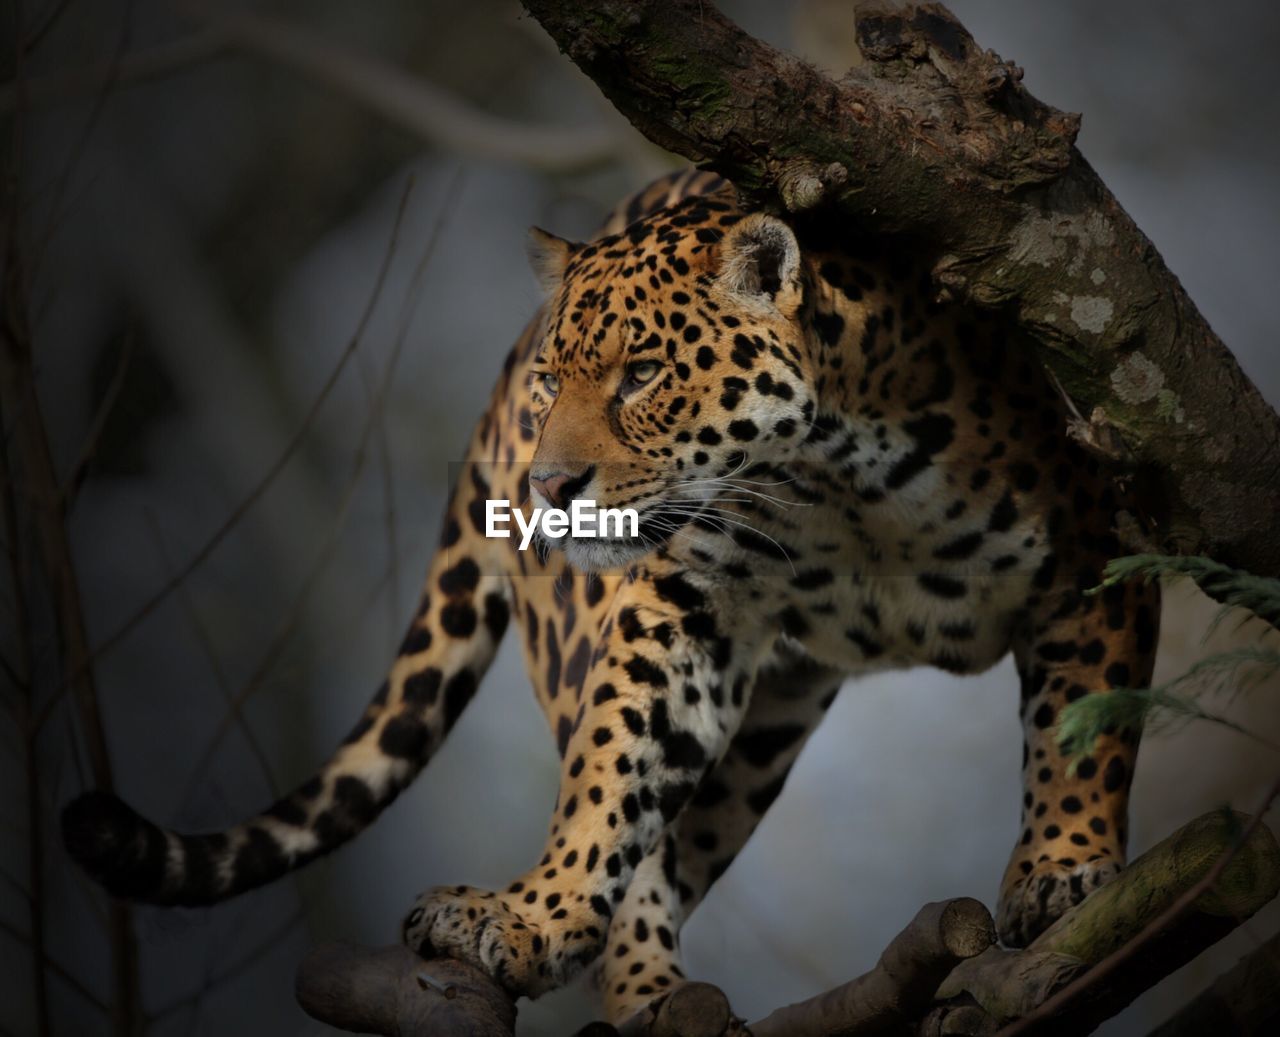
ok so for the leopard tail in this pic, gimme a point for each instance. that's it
(461, 618)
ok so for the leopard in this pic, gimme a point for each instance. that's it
(834, 471)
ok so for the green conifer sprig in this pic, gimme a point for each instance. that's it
(1233, 588)
(1176, 702)
(1159, 708)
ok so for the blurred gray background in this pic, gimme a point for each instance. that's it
(210, 233)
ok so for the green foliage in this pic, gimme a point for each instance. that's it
(1233, 588)
(1158, 708)
(1177, 702)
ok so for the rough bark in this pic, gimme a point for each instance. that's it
(916, 986)
(392, 991)
(936, 139)
(693, 1010)
(901, 986)
(1008, 985)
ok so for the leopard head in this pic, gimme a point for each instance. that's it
(673, 357)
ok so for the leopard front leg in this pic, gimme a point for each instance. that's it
(1074, 819)
(642, 954)
(665, 693)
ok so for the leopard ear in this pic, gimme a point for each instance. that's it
(760, 264)
(548, 255)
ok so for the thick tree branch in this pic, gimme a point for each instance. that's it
(936, 139)
(1216, 871)
(693, 1010)
(940, 975)
(900, 989)
(392, 991)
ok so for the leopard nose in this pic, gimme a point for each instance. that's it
(551, 487)
(560, 488)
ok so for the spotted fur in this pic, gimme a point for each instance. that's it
(835, 474)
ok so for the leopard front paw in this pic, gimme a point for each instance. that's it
(483, 929)
(1031, 902)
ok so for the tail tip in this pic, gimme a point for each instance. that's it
(114, 844)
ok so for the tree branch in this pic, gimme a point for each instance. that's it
(1190, 891)
(940, 975)
(392, 991)
(900, 989)
(1181, 896)
(691, 1010)
(936, 139)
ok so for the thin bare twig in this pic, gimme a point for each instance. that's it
(11, 186)
(230, 972)
(387, 480)
(18, 889)
(377, 404)
(42, 501)
(38, 34)
(72, 163)
(285, 631)
(132, 67)
(216, 976)
(34, 892)
(35, 867)
(75, 478)
(255, 493)
(271, 654)
(11, 671)
(211, 656)
(54, 968)
(425, 110)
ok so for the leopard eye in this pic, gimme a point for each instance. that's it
(550, 384)
(643, 373)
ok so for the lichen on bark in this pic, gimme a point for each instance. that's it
(937, 139)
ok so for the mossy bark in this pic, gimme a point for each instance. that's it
(392, 991)
(936, 139)
(1009, 984)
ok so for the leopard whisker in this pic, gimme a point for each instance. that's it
(722, 516)
(714, 483)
